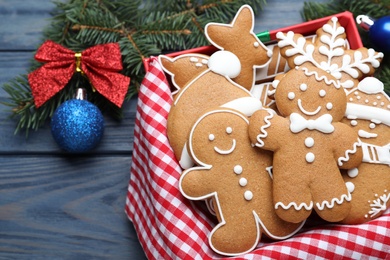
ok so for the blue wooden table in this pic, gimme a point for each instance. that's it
(55, 205)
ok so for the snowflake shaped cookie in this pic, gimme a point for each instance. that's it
(330, 53)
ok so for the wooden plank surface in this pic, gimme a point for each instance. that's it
(59, 206)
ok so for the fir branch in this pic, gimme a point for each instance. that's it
(142, 29)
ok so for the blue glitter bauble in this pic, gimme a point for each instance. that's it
(77, 125)
(380, 34)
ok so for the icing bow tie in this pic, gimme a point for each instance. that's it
(322, 124)
(100, 64)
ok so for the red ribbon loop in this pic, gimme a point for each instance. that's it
(100, 63)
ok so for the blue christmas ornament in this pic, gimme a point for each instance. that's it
(378, 30)
(77, 125)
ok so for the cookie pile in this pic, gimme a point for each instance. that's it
(320, 143)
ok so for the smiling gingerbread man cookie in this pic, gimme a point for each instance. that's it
(310, 145)
(237, 177)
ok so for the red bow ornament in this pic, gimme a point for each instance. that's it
(99, 63)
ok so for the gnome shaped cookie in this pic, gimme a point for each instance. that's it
(310, 144)
(368, 112)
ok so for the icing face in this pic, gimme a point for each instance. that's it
(311, 93)
(220, 138)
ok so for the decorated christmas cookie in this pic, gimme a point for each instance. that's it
(368, 112)
(239, 38)
(214, 86)
(329, 52)
(310, 145)
(237, 177)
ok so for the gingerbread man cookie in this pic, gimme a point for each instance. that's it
(330, 53)
(368, 112)
(310, 144)
(237, 176)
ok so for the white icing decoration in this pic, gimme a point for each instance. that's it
(291, 95)
(303, 87)
(378, 205)
(263, 132)
(365, 134)
(376, 154)
(352, 173)
(348, 152)
(322, 124)
(310, 157)
(248, 195)
(356, 93)
(366, 101)
(329, 106)
(372, 126)
(350, 186)
(246, 105)
(367, 113)
(211, 137)
(295, 205)
(332, 46)
(378, 97)
(358, 97)
(185, 159)
(198, 64)
(228, 151)
(322, 93)
(243, 182)
(193, 59)
(375, 103)
(336, 83)
(354, 122)
(351, 99)
(237, 169)
(371, 85)
(229, 130)
(225, 63)
(331, 204)
(309, 142)
(312, 113)
(256, 44)
(204, 61)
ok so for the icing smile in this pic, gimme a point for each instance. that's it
(220, 151)
(308, 112)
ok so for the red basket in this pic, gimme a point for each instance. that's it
(170, 227)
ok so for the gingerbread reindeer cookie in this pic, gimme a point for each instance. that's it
(368, 112)
(213, 86)
(310, 145)
(236, 176)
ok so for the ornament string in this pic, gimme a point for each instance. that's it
(100, 64)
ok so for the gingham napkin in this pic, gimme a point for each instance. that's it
(169, 227)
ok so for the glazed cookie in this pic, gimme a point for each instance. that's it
(329, 52)
(368, 112)
(214, 86)
(237, 177)
(310, 145)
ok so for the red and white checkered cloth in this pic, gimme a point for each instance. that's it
(169, 227)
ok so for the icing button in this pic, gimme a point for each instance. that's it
(309, 142)
(243, 182)
(310, 157)
(237, 169)
(248, 195)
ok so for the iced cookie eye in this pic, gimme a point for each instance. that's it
(291, 95)
(322, 93)
(211, 137)
(303, 87)
(329, 106)
(229, 130)
(256, 44)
